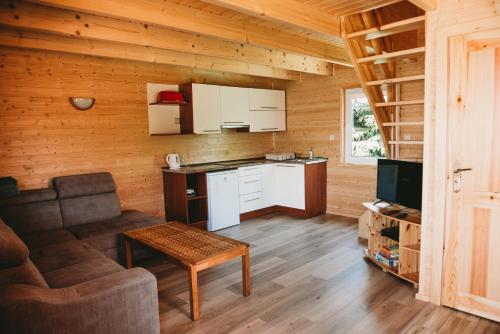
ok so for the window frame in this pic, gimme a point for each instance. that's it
(349, 94)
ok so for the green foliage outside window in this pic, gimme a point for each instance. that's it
(366, 139)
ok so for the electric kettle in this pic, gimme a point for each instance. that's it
(173, 161)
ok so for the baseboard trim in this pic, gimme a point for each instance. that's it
(274, 209)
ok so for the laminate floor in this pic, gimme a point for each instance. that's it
(308, 276)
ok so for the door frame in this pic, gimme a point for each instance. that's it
(435, 161)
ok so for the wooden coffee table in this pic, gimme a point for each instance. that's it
(193, 249)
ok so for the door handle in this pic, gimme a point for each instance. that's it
(460, 170)
(457, 178)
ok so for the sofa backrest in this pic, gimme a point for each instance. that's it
(31, 211)
(87, 198)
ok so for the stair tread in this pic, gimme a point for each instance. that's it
(390, 28)
(396, 80)
(403, 123)
(399, 103)
(385, 57)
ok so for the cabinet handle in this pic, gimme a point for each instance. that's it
(269, 107)
(253, 168)
(287, 166)
(251, 200)
(269, 128)
(251, 181)
(211, 130)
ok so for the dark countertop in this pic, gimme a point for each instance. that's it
(234, 164)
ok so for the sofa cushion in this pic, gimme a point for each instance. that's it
(62, 254)
(45, 238)
(32, 210)
(81, 272)
(106, 234)
(84, 184)
(25, 273)
(13, 251)
(89, 209)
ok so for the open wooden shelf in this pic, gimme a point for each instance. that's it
(415, 247)
(168, 103)
(409, 240)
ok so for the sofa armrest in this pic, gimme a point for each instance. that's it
(123, 302)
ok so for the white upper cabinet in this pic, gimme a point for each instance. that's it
(267, 110)
(206, 109)
(234, 106)
(267, 120)
(267, 99)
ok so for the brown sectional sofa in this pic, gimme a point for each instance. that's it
(57, 262)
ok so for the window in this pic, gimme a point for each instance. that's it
(363, 143)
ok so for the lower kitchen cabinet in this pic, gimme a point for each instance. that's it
(289, 185)
(293, 189)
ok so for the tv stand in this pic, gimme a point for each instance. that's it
(408, 239)
(381, 201)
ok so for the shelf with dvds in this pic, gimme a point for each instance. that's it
(394, 243)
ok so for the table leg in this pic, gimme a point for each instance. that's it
(128, 253)
(245, 264)
(193, 281)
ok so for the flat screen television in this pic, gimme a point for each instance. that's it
(400, 182)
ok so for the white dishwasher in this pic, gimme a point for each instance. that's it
(223, 199)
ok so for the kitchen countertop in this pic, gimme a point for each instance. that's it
(234, 164)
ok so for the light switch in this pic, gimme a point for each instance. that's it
(407, 137)
(331, 137)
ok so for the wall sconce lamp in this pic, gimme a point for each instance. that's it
(82, 103)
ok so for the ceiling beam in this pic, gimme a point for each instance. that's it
(427, 5)
(289, 12)
(82, 25)
(50, 42)
(170, 15)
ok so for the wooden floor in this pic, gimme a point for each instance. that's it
(308, 276)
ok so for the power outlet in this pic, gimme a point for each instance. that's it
(331, 138)
(407, 137)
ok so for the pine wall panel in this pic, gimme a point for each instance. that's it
(43, 136)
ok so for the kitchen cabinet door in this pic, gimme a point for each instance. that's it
(267, 99)
(289, 185)
(206, 109)
(234, 106)
(267, 120)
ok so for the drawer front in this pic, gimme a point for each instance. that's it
(251, 202)
(250, 170)
(250, 184)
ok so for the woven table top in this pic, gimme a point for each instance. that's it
(188, 244)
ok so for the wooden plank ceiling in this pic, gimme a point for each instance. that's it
(271, 38)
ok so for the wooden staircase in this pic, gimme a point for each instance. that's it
(370, 43)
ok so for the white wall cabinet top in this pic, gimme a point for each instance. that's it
(234, 106)
(206, 109)
(267, 99)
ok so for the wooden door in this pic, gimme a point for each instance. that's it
(471, 266)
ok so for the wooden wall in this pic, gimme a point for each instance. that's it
(314, 113)
(42, 136)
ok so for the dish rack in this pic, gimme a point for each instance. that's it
(280, 156)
